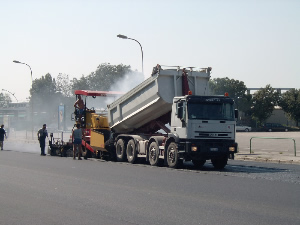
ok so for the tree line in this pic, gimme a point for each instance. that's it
(47, 93)
(259, 106)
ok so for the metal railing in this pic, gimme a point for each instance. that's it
(274, 138)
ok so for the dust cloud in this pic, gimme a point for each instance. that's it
(57, 112)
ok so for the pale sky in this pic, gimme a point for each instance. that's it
(257, 42)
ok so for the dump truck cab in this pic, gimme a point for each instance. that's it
(204, 128)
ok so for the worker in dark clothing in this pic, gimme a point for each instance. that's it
(2, 134)
(42, 134)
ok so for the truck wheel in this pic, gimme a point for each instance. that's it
(131, 151)
(154, 154)
(88, 154)
(69, 152)
(198, 163)
(219, 163)
(112, 156)
(172, 156)
(120, 151)
(97, 154)
(52, 152)
(62, 152)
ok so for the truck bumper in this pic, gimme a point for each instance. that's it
(206, 149)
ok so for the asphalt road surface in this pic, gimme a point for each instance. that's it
(46, 190)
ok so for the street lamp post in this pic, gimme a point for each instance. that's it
(125, 37)
(11, 94)
(15, 61)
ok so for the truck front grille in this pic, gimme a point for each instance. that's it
(213, 134)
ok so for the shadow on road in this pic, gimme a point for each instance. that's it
(208, 167)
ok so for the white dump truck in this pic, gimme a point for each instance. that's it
(171, 118)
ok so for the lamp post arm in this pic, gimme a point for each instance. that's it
(30, 71)
(16, 61)
(141, 51)
(32, 113)
(11, 94)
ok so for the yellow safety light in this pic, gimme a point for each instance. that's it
(231, 149)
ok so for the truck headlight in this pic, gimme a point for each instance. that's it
(231, 149)
(194, 148)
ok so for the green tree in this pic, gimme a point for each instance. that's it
(43, 87)
(64, 85)
(290, 103)
(245, 103)
(45, 99)
(80, 84)
(65, 96)
(236, 90)
(4, 100)
(48, 93)
(102, 79)
(264, 102)
(106, 75)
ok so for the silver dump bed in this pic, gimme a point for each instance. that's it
(153, 98)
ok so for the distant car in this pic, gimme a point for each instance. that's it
(275, 127)
(243, 128)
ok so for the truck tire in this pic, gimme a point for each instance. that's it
(97, 154)
(198, 163)
(62, 152)
(219, 163)
(120, 151)
(88, 154)
(154, 154)
(131, 151)
(52, 151)
(172, 156)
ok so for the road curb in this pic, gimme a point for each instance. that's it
(268, 160)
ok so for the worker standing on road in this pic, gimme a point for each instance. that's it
(42, 134)
(77, 136)
(2, 134)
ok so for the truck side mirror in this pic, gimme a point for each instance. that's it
(236, 113)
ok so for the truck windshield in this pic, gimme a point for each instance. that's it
(210, 111)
